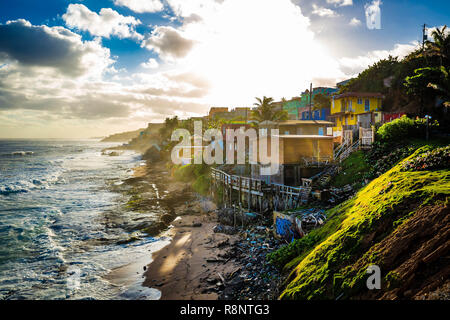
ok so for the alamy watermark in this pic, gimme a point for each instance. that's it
(232, 150)
(374, 280)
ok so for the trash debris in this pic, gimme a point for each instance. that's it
(284, 226)
(225, 229)
(237, 217)
(296, 224)
(256, 278)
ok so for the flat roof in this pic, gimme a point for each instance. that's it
(297, 122)
(359, 94)
(302, 136)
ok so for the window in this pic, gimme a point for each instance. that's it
(320, 131)
(367, 105)
(359, 101)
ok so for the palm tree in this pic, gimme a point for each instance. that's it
(266, 111)
(444, 86)
(440, 46)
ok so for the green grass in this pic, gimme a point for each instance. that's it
(352, 171)
(320, 262)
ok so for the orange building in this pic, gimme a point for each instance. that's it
(215, 111)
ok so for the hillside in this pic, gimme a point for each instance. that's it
(122, 137)
(399, 221)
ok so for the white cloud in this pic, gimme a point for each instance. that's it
(200, 8)
(355, 65)
(354, 22)
(105, 24)
(430, 30)
(341, 3)
(253, 48)
(150, 64)
(373, 14)
(141, 6)
(323, 12)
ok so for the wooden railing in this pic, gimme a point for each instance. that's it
(256, 186)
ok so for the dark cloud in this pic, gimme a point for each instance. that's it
(41, 46)
(168, 43)
(192, 18)
(175, 92)
(99, 107)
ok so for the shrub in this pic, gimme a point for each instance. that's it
(202, 184)
(404, 127)
(435, 159)
(197, 174)
(185, 173)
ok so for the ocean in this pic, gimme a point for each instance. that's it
(64, 224)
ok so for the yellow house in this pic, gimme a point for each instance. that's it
(352, 110)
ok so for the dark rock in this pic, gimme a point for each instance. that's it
(167, 218)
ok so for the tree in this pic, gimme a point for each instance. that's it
(443, 85)
(440, 46)
(170, 124)
(321, 101)
(266, 111)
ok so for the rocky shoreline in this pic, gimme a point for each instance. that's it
(204, 260)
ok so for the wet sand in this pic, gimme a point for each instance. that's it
(192, 266)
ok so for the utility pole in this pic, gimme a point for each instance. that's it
(310, 101)
(424, 36)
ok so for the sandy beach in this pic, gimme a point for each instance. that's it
(194, 264)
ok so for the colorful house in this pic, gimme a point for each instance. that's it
(299, 156)
(388, 117)
(305, 147)
(303, 109)
(292, 107)
(352, 110)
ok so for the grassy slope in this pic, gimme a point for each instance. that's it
(323, 260)
(353, 170)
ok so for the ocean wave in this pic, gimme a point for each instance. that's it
(17, 154)
(22, 153)
(23, 186)
(5, 190)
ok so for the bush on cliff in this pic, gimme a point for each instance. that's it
(404, 127)
(196, 174)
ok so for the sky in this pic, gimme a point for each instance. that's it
(89, 68)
